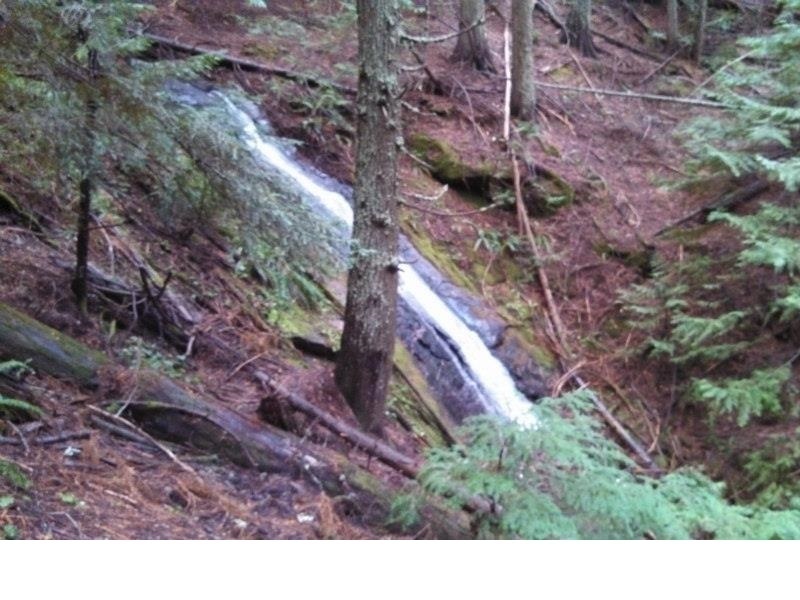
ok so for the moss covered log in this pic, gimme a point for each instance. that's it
(45, 349)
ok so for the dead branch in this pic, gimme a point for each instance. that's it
(725, 202)
(228, 60)
(441, 38)
(46, 440)
(366, 442)
(655, 97)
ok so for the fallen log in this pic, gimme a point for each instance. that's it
(164, 408)
(228, 60)
(45, 349)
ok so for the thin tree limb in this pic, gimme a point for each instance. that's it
(623, 94)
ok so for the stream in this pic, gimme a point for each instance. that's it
(444, 328)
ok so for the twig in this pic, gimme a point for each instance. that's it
(525, 225)
(708, 79)
(620, 44)
(726, 201)
(655, 97)
(441, 38)
(21, 437)
(47, 440)
(244, 364)
(647, 77)
(440, 213)
(507, 67)
(586, 79)
(139, 431)
(248, 65)
(618, 427)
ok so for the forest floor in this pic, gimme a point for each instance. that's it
(615, 153)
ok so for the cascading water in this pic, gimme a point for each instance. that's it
(485, 381)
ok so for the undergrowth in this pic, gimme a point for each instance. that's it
(567, 480)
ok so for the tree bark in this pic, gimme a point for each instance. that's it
(523, 90)
(86, 186)
(673, 34)
(579, 32)
(365, 359)
(472, 46)
(700, 31)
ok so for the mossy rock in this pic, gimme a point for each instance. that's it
(639, 258)
(440, 255)
(546, 194)
(449, 167)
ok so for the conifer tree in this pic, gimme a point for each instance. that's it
(365, 359)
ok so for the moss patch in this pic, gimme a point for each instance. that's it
(448, 166)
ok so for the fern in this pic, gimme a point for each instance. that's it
(567, 480)
(8, 406)
(753, 396)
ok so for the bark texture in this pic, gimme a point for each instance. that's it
(579, 32)
(472, 46)
(673, 34)
(700, 30)
(86, 186)
(365, 359)
(523, 91)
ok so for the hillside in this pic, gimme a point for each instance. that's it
(180, 292)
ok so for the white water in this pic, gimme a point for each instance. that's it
(488, 372)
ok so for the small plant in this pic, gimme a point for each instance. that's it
(11, 408)
(771, 473)
(141, 354)
(12, 474)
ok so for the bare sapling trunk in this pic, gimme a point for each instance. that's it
(578, 28)
(523, 90)
(673, 33)
(700, 30)
(365, 359)
(86, 187)
(472, 46)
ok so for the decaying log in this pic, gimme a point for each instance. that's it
(366, 442)
(248, 65)
(45, 349)
(164, 408)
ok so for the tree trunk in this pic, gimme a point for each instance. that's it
(370, 320)
(579, 32)
(523, 91)
(700, 30)
(86, 187)
(471, 46)
(673, 34)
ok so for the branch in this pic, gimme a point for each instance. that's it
(441, 38)
(48, 439)
(248, 65)
(656, 97)
(366, 442)
(726, 201)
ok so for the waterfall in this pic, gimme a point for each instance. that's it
(494, 386)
